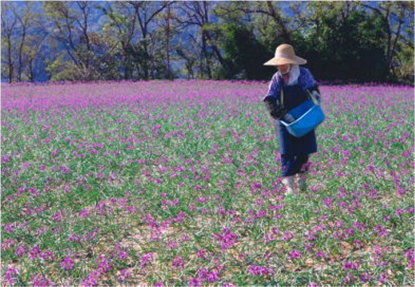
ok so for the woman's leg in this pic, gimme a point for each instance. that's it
(288, 172)
(303, 172)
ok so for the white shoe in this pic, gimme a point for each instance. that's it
(288, 182)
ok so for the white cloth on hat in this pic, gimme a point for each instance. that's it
(294, 74)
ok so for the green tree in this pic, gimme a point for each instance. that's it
(342, 33)
(133, 24)
(198, 15)
(398, 24)
(69, 24)
(8, 29)
(244, 54)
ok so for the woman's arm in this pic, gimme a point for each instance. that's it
(310, 83)
(271, 100)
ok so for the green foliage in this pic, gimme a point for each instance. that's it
(60, 70)
(344, 40)
(244, 54)
(344, 43)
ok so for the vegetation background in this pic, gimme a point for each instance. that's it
(344, 41)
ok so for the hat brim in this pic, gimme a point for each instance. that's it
(285, 61)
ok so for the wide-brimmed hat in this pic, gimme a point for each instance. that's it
(284, 55)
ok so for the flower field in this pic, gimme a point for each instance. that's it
(177, 183)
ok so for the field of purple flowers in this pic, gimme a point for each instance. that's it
(177, 183)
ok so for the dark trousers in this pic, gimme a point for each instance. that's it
(293, 164)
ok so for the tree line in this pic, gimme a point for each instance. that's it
(347, 41)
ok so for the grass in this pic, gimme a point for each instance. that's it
(178, 185)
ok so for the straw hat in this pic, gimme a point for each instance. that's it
(284, 55)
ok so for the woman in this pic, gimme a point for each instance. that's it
(289, 87)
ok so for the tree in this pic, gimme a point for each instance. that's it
(30, 40)
(256, 29)
(133, 25)
(395, 15)
(342, 33)
(244, 54)
(121, 28)
(69, 25)
(198, 15)
(270, 21)
(8, 28)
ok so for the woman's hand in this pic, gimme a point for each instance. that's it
(274, 108)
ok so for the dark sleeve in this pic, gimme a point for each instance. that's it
(271, 99)
(273, 88)
(310, 83)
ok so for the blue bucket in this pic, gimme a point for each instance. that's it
(307, 116)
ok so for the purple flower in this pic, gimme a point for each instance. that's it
(84, 213)
(195, 282)
(213, 276)
(349, 232)
(5, 159)
(350, 278)
(104, 263)
(41, 230)
(256, 185)
(20, 250)
(351, 266)
(202, 273)
(400, 192)
(91, 236)
(201, 253)
(321, 254)
(288, 235)
(122, 255)
(74, 238)
(180, 216)
(387, 218)
(359, 226)
(67, 263)
(47, 256)
(259, 270)
(124, 274)
(10, 276)
(364, 277)
(381, 231)
(146, 259)
(228, 239)
(92, 279)
(399, 211)
(339, 224)
(35, 252)
(7, 244)
(383, 278)
(39, 280)
(9, 227)
(159, 284)
(410, 255)
(178, 262)
(294, 254)
(209, 276)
